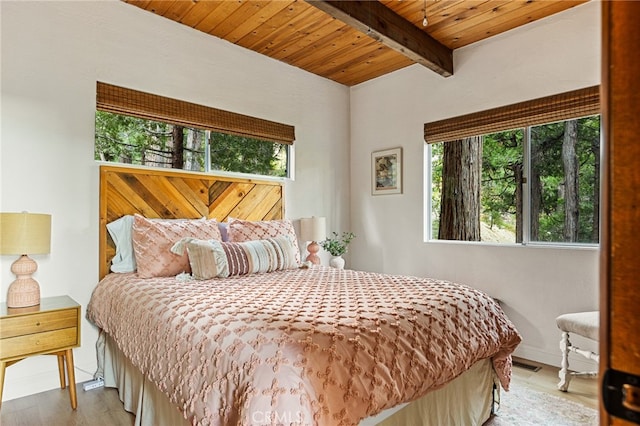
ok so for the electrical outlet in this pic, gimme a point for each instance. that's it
(93, 384)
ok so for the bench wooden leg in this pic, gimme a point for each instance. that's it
(564, 374)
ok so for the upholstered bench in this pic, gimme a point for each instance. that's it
(584, 324)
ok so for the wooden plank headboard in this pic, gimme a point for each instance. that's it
(171, 194)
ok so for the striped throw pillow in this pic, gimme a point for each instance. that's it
(245, 230)
(210, 258)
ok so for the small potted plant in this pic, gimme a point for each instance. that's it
(337, 246)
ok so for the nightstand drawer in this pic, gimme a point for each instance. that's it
(39, 342)
(37, 323)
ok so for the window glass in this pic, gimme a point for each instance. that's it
(125, 139)
(248, 155)
(565, 181)
(553, 198)
(501, 189)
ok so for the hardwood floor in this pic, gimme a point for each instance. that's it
(95, 407)
(581, 390)
(103, 407)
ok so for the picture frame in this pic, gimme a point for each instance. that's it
(386, 171)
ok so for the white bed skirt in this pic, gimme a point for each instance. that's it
(466, 401)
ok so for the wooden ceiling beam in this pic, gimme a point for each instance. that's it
(392, 30)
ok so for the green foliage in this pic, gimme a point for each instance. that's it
(120, 138)
(247, 155)
(338, 244)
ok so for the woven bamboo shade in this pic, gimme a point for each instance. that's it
(125, 101)
(564, 106)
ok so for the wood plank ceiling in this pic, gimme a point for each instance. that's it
(351, 42)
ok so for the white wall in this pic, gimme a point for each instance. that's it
(554, 55)
(52, 55)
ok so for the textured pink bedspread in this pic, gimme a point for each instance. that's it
(318, 346)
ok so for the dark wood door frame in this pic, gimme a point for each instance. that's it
(620, 245)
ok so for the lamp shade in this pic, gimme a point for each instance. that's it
(313, 229)
(25, 233)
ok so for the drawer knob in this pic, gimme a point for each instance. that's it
(38, 324)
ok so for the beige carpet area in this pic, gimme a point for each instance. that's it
(523, 407)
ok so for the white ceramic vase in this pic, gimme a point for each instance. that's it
(337, 262)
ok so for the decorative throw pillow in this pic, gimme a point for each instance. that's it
(211, 259)
(121, 231)
(244, 230)
(152, 242)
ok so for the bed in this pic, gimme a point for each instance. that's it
(263, 341)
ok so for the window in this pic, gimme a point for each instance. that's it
(539, 183)
(139, 128)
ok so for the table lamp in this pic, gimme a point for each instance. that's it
(23, 234)
(313, 229)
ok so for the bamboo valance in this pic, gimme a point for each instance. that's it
(131, 102)
(564, 106)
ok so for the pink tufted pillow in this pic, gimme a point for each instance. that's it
(244, 230)
(152, 242)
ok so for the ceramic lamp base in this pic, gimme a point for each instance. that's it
(313, 249)
(24, 291)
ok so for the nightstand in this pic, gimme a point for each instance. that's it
(51, 328)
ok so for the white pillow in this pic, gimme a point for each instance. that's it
(120, 231)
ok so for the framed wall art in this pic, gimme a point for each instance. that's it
(386, 171)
